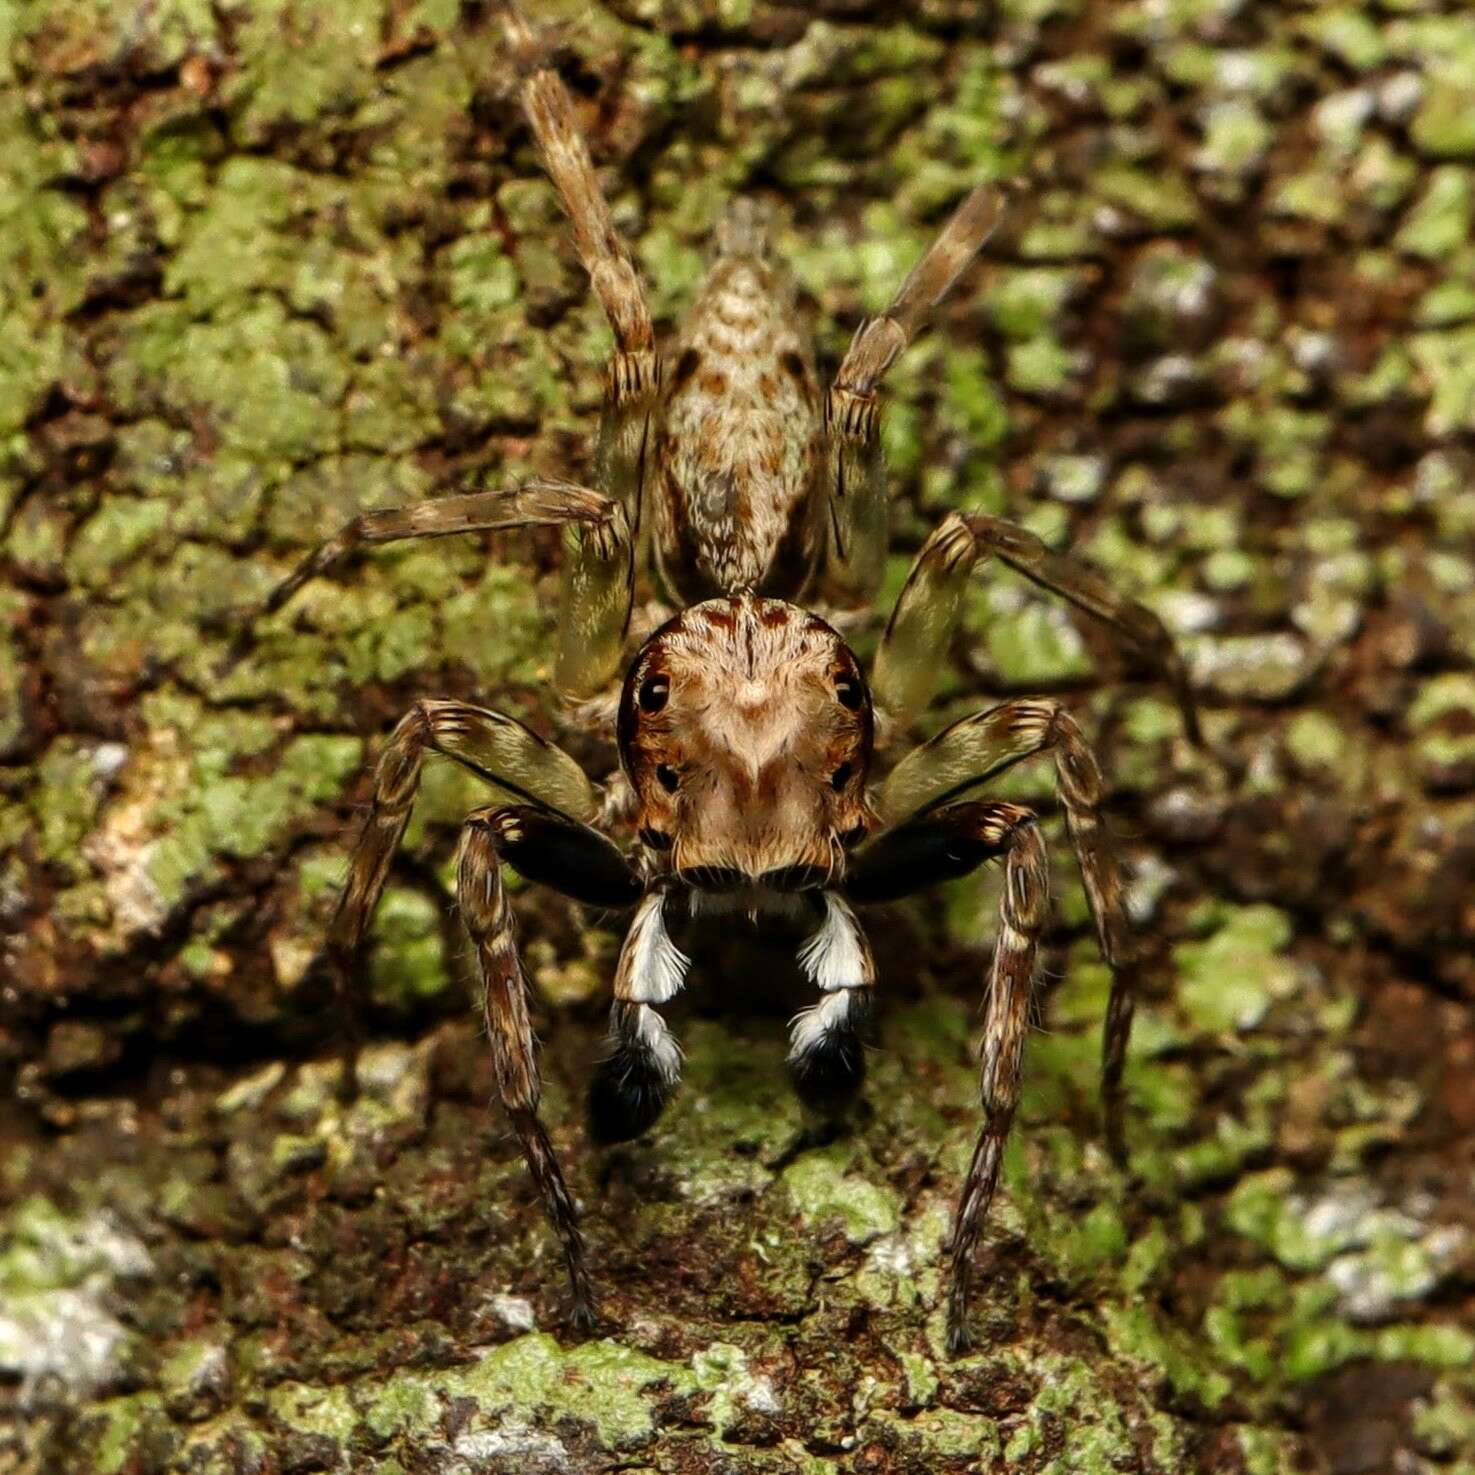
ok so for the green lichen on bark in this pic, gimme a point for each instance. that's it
(266, 266)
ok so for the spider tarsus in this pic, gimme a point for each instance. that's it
(583, 1318)
(350, 1033)
(959, 1337)
(1113, 1127)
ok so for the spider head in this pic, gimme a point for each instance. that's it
(745, 730)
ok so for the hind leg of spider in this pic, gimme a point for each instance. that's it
(583, 864)
(929, 611)
(939, 846)
(974, 750)
(550, 113)
(633, 374)
(490, 744)
(635, 1080)
(855, 473)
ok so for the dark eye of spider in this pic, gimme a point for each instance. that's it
(667, 777)
(841, 775)
(656, 839)
(653, 693)
(847, 689)
(854, 835)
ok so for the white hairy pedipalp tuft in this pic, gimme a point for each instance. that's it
(838, 956)
(651, 968)
(651, 1031)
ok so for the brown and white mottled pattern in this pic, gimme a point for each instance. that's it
(550, 113)
(1023, 907)
(739, 447)
(745, 726)
(879, 341)
(745, 731)
(493, 932)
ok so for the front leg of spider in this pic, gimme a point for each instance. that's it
(588, 867)
(948, 843)
(493, 746)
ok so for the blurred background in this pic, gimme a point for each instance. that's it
(263, 266)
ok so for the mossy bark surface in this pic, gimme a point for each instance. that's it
(266, 265)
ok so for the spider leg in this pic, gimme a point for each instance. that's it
(492, 745)
(930, 606)
(946, 843)
(878, 342)
(541, 847)
(856, 474)
(633, 374)
(599, 578)
(633, 1083)
(827, 1041)
(973, 751)
(565, 155)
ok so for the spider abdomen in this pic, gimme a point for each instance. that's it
(739, 452)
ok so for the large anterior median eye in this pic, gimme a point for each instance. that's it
(667, 777)
(841, 775)
(847, 690)
(653, 693)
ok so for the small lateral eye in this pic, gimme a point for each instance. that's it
(842, 775)
(847, 690)
(653, 693)
(667, 777)
(853, 836)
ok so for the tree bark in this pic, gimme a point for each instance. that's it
(263, 267)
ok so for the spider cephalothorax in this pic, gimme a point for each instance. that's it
(745, 726)
(745, 731)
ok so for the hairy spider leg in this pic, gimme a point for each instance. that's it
(633, 373)
(565, 155)
(599, 577)
(492, 745)
(929, 610)
(938, 846)
(859, 507)
(585, 864)
(975, 750)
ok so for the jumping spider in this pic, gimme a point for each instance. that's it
(744, 724)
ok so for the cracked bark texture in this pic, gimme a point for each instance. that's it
(267, 265)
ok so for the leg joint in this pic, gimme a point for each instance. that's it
(851, 414)
(633, 375)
